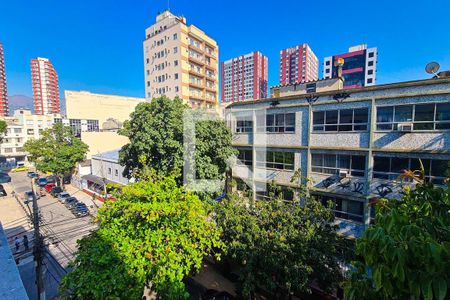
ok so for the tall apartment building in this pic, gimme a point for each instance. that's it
(352, 146)
(359, 69)
(45, 87)
(180, 60)
(298, 64)
(3, 89)
(245, 77)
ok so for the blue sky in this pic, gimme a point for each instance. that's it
(96, 45)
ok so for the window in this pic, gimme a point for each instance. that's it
(327, 70)
(116, 172)
(275, 160)
(344, 208)
(17, 130)
(109, 170)
(274, 192)
(370, 72)
(175, 49)
(369, 80)
(392, 167)
(245, 157)
(177, 89)
(371, 54)
(341, 120)
(176, 75)
(244, 125)
(355, 165)
(423, 116)
(282, 122)
(370, 64)
(175, 63)
(327, 63)
(30, 131)
(175, 36)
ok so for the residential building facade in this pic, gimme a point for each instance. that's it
(298, 64)
(359, 69)
(352, 145)
(245, 77)
(3, 88)
(22, 126)
(105, 169)
(45, 87)
(180, 60)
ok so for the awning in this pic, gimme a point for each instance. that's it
(96, 179)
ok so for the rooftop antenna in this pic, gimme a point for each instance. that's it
(432, 68)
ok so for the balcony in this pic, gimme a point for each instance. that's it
(198, 85)
(196, 60)
(195, 48)
(195, 72)
(196, 97)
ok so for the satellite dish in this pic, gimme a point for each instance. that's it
(432, 68)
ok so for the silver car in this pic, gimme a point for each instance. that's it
(63, 197)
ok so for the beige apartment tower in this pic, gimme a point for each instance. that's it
(180, 60)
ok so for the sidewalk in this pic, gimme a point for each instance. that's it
(83, 197)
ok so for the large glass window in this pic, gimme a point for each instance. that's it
(283, 122)
(245, 157)
(392, 167)
(244, 125)
(423, 116)
(341, 120)
(355, 165)
(274, 192)
(276, 160)
(344, 208)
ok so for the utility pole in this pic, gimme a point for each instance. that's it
(37, 247)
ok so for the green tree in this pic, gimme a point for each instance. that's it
(281, 247)
(406, 254)
(155, 131)
(156, 233)
(57, 151)
(3, 126)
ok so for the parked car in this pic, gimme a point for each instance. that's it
(20, 169)
(48, 187)
(41, 181)
(62, 197)
(52, 179)
(30, 174)
(71, 202)
(55, 191)
(4, 178)
(2, 191)
(28, 197)
(80, 210)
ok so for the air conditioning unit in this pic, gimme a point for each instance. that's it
(343, 173)
(405, 127)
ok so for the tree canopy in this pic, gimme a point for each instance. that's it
(155, 131)
(154, 233)
(3, 126)
(57, 151)
(406, 253)
(281, 247)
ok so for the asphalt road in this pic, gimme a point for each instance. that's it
(60, 229)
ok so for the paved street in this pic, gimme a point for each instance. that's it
(60, 228)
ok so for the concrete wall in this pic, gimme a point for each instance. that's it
(110, 170)
(86, 105)
(99, 142)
